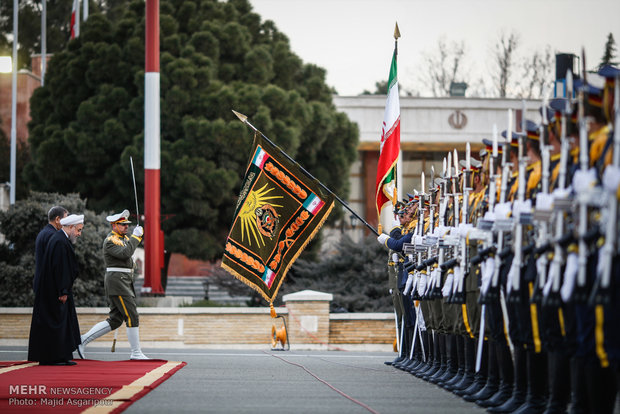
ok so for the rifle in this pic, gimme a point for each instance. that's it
(513, 286)
(543, 211)
(551, 296)
(601, 292)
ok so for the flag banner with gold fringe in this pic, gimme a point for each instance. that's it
(278, 212)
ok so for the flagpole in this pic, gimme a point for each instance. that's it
(43, 40)
(244, 119)
(398, 173)
(13, 155)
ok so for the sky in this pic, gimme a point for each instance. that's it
(353, 39)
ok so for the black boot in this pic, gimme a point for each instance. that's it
(421, 358)
(451, 361)
(506, 374)
(460, 364)
(492, 383)
(536, 398)
(406, 345)
(480, 377)
(469, 366)
(559, 383)
(579, 390)
(443, 361)
(435, 362)
(601, 386)
(519, 389)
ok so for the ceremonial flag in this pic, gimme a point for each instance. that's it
(385, 189)
(75, 19)
(278, 212)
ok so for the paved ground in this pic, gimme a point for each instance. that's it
(257, 382)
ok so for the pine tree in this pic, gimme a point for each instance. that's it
(609, 56)
(215, 56)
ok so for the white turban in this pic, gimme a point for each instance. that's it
(72, 219)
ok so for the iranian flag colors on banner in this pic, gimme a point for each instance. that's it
(385, 189)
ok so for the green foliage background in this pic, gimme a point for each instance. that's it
(21, 224)
(215, 56)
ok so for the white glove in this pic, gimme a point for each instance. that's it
(447, 286)
(408, 284)
(422, 284)
(570, 276)
(383, 238)
(138, 231)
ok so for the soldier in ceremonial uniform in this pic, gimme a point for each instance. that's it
(118, 249)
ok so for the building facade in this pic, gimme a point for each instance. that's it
(430, 127)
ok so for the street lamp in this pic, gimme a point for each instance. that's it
(353, 221)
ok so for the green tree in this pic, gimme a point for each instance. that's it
(609, 56)
(21, 224)
(215, 56)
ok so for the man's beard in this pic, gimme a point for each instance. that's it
(73, 238)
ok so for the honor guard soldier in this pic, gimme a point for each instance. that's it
(118, 249)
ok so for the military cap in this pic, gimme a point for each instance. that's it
(119, 218)
(532, 130)
(489, 146)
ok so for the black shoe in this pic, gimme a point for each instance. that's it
(467, 379)
(58, 363)
(514, 402)
(394, 361)
(475, 386)
(502, 395)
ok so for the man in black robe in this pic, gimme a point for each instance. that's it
(54, 216)
(54, 331)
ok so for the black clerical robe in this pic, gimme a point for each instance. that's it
(40, 245)
(54, 331)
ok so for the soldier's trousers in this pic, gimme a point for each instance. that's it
(123, 309)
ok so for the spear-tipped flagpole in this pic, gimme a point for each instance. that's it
(244, 119)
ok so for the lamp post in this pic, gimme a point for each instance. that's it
(14, 108)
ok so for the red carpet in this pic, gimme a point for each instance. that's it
(89, 386)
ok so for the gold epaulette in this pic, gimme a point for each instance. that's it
(115, 239)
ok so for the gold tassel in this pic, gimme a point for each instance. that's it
(272, 310)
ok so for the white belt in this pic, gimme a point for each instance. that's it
(118, 269)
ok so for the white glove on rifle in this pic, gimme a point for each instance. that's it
(409, 284)
(138, 231)
(383, 238)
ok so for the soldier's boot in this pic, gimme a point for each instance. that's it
(443, 361)
(418, 353)
(460, 364)
(399, 357)
(602, 387)
(95, 332)
(434, 362)
(451, 360)
(559, 383)
(133, 336)
(579, 390)
(536, 398)
(492, 382)
(519, 389)
(480, 377)
(506, 374)
(470, 364)
(406, 348)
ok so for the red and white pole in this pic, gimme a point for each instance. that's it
(152, 160)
